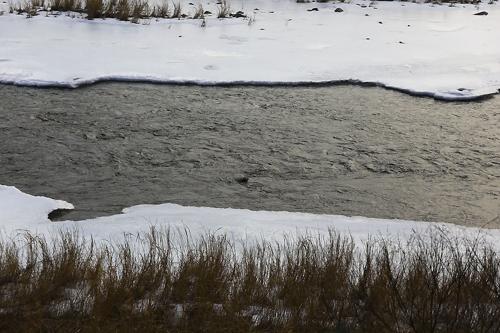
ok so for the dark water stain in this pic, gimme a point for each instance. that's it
(341, 150)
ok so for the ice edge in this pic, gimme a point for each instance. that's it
(467, 95)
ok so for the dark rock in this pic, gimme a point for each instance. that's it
(184, 15)
(400, 42)
(241, 179)
(339, 10)
(238, 14)
(58, 213)
(207, 12)
(380, 22)
(191, 4)
(483, 13)
(313, 9)
(367, 14)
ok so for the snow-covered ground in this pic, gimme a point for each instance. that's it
(21, 212)
(436, 50)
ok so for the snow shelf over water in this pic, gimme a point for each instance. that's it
(20, 211)
(23, 212)
(434, 50)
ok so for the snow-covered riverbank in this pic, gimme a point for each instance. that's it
(22, 212)
(435, 50)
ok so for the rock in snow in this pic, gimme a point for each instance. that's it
(238, 14)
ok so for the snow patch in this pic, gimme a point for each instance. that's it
(19, 210)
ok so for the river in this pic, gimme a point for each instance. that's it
(339, 150)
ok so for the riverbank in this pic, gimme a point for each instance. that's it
(423, 49)
(158, 282)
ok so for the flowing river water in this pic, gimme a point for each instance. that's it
(339, 150)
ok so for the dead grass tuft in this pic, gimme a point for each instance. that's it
(223, 9)
(162, 10)
(95, 9)
(199, 12)
(66, 5)
(140, 10)
(28, 7)
(177, 11)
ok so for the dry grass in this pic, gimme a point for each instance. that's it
(29, 7)
(177, 11)
(140, 10)
(123, 10)
(223, 9)
(310, 284)
(66, 5)
(94, 9)
(162, 10)
(199, 12)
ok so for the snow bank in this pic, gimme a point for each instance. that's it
(20, 211)
(440, 51)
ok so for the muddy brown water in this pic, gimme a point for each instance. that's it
(340, 150)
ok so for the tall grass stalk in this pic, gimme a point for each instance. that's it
(177, 11)
(199, 12)
(161, 10)
(223, 9)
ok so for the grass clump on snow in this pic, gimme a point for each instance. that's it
(66, 5)
(199, 12)
(162, 10)
(177, 10)
(309, 284)
(223, 9)
(94, 9)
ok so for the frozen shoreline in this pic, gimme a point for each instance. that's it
(437, 51)
(21, 212)
(449, 97)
